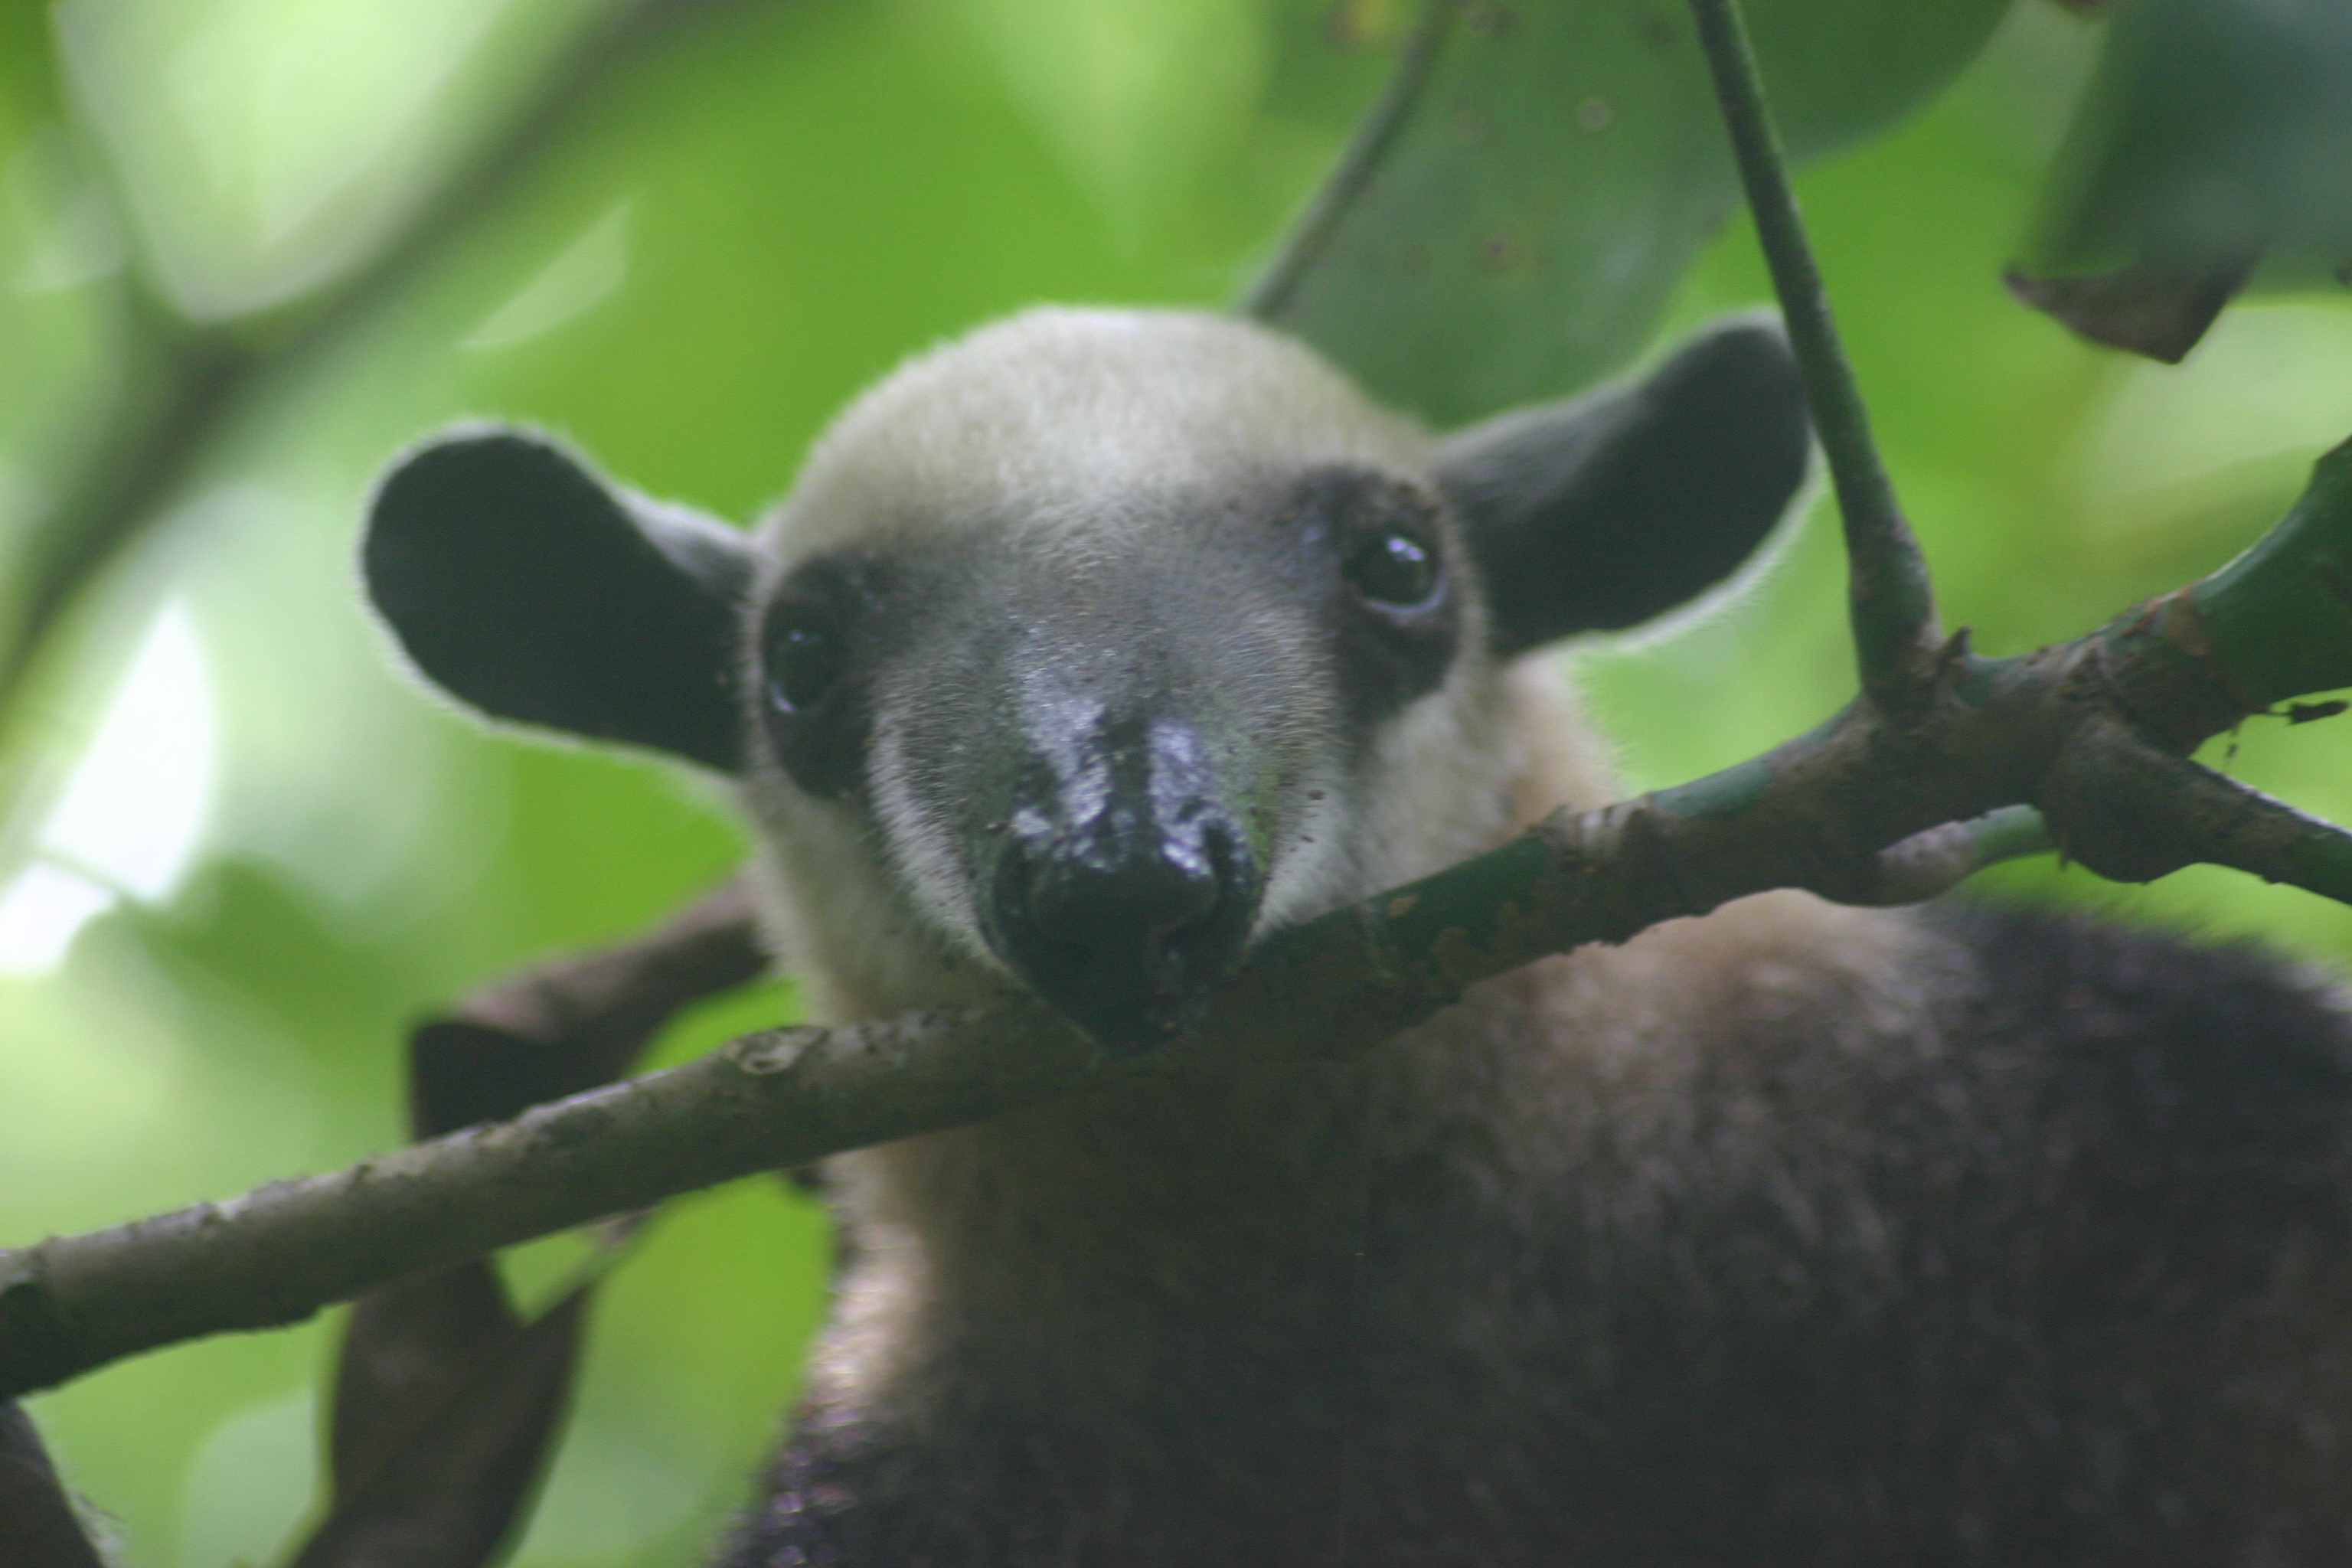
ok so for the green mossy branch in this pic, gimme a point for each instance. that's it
(2274, 624)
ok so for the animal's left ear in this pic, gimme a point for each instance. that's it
(523, 583)
(1603, 511)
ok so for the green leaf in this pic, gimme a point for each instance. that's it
(1526, 209)
(2209, 154)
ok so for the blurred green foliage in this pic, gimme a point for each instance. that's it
(2208, 156)
(2216, 135)
(267, 849)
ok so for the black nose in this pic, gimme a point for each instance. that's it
(1127, 922)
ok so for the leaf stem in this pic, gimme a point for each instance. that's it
(1890, 599)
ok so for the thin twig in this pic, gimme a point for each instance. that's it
(1891, 597)
(1352, 175)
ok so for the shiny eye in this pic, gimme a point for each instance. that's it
(1393, 571)
(804, 662)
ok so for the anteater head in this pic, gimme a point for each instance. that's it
(1092, 646)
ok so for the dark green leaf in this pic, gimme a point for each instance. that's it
(1523, 214)
(2211, 153)
(2156, 308)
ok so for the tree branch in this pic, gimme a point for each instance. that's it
(2279, 617)
(1864, 809)
(39, 1527)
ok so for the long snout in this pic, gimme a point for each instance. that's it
(1124, 887)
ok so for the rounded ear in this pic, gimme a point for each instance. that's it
(526, 585)
(1603, 511)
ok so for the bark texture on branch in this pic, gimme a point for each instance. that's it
(1864, 809)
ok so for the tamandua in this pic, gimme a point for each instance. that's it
(1090, 648)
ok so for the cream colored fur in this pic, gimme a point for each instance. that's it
(1049, 425)
(1056, 431)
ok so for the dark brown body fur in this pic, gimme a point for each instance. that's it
(2052, 1268)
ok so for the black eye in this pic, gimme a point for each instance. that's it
(811, 641)
(1392, 570)
(804, 661)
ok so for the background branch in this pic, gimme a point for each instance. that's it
(184, 382)
(559, 1027)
